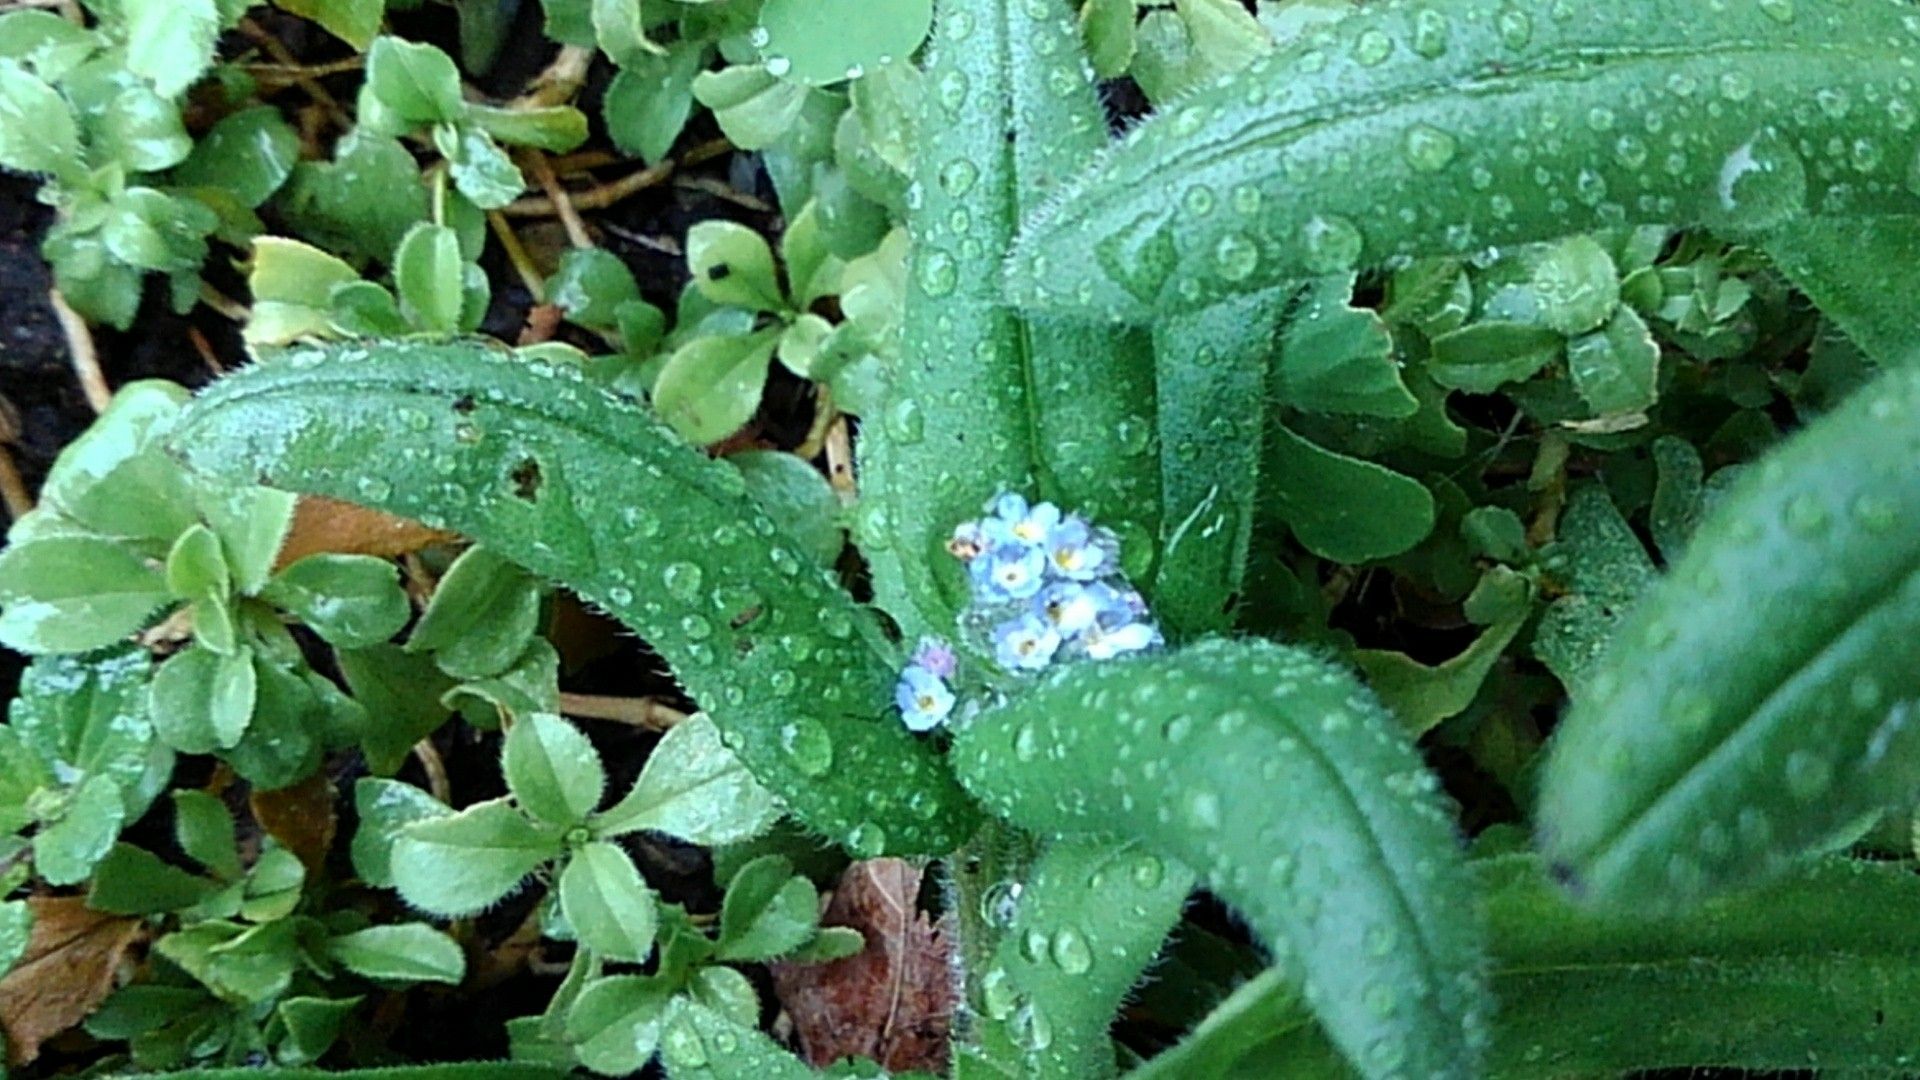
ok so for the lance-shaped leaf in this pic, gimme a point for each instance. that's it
(1286, 786)
(1818, 973)
(980, 400)
(582, 486)
(1862, 276)
(1213, 369)
(1089, 918)
(1440, 128)
(1757, 702)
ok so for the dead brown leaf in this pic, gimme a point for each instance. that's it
(321, 524)
(893, 1001)
(69, 968)
(301, 817)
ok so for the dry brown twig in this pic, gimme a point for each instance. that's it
(557, 194)
(13, 489)
(641, 712)
(81, 351)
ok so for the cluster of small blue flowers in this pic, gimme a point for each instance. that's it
(1047, 586)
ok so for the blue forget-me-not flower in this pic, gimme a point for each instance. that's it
(1025, 643)
(924, 698)
(1046, 587)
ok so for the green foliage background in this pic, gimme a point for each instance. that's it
(1507, 411)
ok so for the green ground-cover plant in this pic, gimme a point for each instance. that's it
(1448, 321)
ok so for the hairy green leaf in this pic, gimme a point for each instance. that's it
(979, 401)
(606, 903)
(81, 716)
(170, 42)
(1089, 918)
(694, 788)
(1424, 129)
(1755, 703)
(74, 593)
(768, 911)
(1860, 273)
(703, 1043)
(1816, 973)
(464, 862)
(583, 486)
(406, 952)
(1212, 371)
(552, 770)
(385, 807)
(1286, 786)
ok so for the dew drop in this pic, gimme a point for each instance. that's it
(1149, 872)
(951, 92)
(807, 744)
(1031, 1028)
(1763, 182)
(1516, 29)
(1372, 47)
(1332, 244)
(938, 273)
(904, 421)
(958, 176)
(1428, 148)
(867, 840)
(999, 903)
(1071, 952)
(1430, 34)
(1806, 515)
(1235, 257)
(1875, 513)
(682, 580)
(1203, 810)
(1033, 945)
(778, 66)
(1808, 775)
(682, 1047)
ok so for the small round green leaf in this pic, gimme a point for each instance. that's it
(610, 909)
(553, 770)
(818, 42)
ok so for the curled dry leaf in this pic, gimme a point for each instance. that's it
(69, 968)
(892, 1001)
(328, 525)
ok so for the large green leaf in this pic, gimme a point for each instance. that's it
(1290, 791)
(1412, 129)
(1212, 369)
(981, 401)
(1819, 972)
(1861, 274)
(1755, 704)
(585, 487)
(1088, 919)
